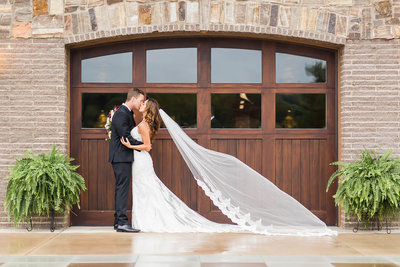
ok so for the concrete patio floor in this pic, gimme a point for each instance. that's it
(101, 246)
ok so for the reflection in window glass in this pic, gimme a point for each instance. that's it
(235, 110)
(173, 65)
(298, 69)
(115, 68)
(95, 108)
(235, 65)
(182, 108)
(300, 110)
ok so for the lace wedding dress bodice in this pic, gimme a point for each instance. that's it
(135, 134)
(156, 209)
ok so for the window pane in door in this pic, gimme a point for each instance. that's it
(182, 108)
(172, 65)
(236, 110)
(115, 68)
(231, 65)
(95, 108)
(300, 111)
(299, 69)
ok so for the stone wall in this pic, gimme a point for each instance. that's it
(331, 21)
(34, 35)
(31, 18)
(33, 102)
(369, 96)
(98, 20)
(369, 99)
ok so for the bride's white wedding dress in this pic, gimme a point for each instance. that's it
(156, 209)
(246, 197)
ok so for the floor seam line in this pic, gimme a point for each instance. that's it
(41, 245)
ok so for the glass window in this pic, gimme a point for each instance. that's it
(115, 68)
(182, 108)
(300, 110)
(95, 108)
(173, 65)
(236, 110)
(299, 69)
(230, 65)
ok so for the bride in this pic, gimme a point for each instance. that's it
(250, 200)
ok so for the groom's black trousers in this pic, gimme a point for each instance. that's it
(122, 172)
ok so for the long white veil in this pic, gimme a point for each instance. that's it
(242, 194)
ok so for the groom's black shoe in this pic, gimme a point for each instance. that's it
(127, 228)
(115, 226)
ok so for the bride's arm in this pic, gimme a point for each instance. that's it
(144, 131)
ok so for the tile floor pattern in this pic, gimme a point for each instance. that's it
(100, 246)
(198, 261)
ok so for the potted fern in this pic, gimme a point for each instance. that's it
(41, 185)
(369, 188)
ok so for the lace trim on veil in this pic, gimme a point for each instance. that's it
(232, 212)
(244, 219)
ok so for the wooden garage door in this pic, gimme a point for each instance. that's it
(271, 104)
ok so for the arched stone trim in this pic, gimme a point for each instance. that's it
(120, 18)
(194, 29)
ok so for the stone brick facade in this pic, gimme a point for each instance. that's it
(369, 99)
(333, 21)
(33, 102)
(35, 36)
(369, 96)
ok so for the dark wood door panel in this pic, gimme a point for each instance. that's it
(98, 199)
(96, 217)
(302, 171)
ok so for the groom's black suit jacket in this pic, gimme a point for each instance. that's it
(121, 125)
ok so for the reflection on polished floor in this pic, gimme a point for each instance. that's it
(101, 246)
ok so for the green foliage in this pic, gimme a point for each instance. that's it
(41, 183)
(318, 70)
(369, 187)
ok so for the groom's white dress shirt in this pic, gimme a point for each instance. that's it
(126, 106)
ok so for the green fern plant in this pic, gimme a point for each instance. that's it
(370, 187)
(42, 183)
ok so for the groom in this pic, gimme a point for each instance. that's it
(121, 157)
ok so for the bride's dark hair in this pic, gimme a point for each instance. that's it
(152, 116)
